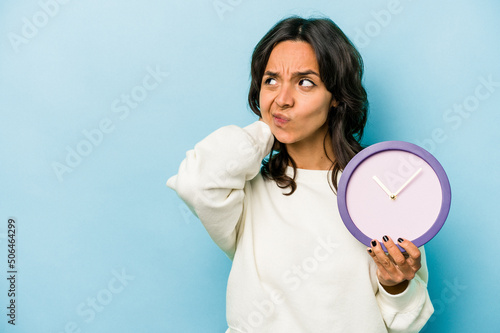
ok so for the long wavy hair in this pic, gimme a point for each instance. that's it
(341, 70)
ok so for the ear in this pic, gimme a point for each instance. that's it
(334, 103)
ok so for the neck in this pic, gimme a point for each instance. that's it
(311, 154)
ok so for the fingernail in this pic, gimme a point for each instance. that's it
(374, 243)
(369, 250)
(385, 238)
(401, 240)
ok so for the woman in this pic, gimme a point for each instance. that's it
(296, 268)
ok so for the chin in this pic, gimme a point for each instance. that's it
(285, 139)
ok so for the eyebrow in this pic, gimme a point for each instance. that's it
(295, 74)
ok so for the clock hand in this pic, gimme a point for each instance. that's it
(408, 181)
(386, 190)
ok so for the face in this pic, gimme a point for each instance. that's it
(294, 101)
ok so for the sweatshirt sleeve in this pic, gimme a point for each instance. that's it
(410, 310)
(212, 177)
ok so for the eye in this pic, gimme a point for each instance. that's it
(306, 83)
(270, 81)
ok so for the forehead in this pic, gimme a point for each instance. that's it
(292, 56)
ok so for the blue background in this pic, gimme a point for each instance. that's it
(63, 73)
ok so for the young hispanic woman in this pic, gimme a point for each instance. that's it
(266, 194)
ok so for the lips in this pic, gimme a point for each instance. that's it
(279, 119)
(280, 116)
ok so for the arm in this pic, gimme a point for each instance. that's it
(211, 178)
(402, 293)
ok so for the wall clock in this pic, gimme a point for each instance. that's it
(394, 188)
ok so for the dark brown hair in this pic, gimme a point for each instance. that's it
(341, 70)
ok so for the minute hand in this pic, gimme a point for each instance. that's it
(408, 181)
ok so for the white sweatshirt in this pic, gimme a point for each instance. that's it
(296, 268)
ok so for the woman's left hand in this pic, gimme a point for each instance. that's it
(395, 269)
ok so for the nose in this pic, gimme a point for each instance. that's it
(284, 99)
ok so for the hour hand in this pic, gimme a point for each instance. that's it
(386, 190)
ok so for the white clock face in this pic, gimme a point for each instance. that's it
(394, 193)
